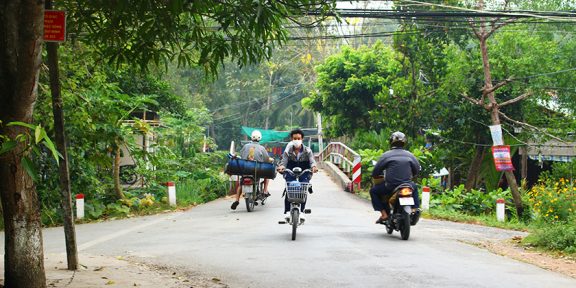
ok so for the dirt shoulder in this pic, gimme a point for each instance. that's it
(512, 249)
(104, 271)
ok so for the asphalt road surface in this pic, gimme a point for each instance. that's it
(339, 246)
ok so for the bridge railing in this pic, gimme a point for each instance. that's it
(346, 159)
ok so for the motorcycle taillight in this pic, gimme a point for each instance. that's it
(405, 192)
(246, 181)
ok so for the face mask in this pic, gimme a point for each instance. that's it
(297, 143)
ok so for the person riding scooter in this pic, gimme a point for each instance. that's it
(255, 152)
(400, 167)
(297, 155)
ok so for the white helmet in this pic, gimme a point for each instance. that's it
(256, 136)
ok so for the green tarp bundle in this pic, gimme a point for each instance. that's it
(267, 135)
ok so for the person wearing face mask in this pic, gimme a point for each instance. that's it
(297, 155)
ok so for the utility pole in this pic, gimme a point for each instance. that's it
(65, 191)
(267, 123)
(320, 140)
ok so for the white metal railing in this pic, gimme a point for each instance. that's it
(346, 160)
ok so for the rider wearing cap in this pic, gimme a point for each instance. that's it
(400, 167)
(255, 152)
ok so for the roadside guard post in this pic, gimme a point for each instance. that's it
(425, 198)
(79, 206)
(500, 210)
(171, 193)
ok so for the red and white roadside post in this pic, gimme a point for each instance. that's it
(79, 206)
(500, 214)
(356, 173)
(171, 193)
(425, 198)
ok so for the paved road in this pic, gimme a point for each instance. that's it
(339, 246)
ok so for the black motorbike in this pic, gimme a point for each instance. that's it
(252, 188)
(402, 214)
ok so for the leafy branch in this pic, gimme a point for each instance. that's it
(32, 139)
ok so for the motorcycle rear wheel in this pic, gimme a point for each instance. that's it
(249, 204)
(404, 224)
(251, 199)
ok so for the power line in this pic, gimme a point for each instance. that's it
(459, 13)
(267, 90)
(259, 109)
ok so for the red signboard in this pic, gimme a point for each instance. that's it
(502, 158)
(54, 26)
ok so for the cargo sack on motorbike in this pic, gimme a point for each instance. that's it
(237, 166)
(378, 180)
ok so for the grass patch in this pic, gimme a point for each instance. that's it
(486, 220)
(188, 194)
(559, 237)
(365, 194)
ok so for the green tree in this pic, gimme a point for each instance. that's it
(513, 61)
(352, 83)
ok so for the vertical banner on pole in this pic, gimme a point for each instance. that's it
(232, 148)
(502, 158)
(496, 132)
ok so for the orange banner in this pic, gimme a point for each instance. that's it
(502, 158)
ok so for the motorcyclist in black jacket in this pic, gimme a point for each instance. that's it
(400, 167)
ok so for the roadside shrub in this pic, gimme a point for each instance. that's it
(557, 236)
(435, 183)
(473, 202)
(553, 201)
(368, 155)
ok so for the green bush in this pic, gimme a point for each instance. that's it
(557, 236)
(473, 202)
(368, 155)
(553, 200)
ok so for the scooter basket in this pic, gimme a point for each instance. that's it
(297, 192)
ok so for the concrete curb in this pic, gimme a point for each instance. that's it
(337, 175)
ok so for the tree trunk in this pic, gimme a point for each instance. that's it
(494, 108)
(117, 185)
(523, 163)
(65, 191)
(511, 178)
(20, 58)
(475, 168)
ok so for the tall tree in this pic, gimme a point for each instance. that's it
(488, 99)
(20, 58)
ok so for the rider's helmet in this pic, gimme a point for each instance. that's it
(256, 136)
(397, 139)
